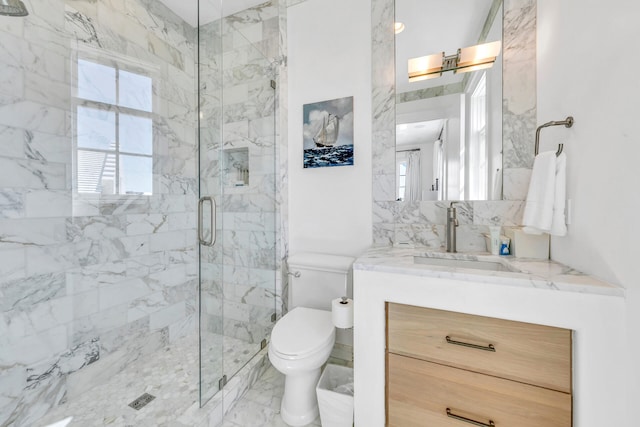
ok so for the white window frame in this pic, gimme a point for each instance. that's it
(401, 159)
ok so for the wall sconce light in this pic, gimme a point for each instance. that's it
(398, 27)
(466, 59)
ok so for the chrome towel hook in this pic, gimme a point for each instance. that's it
(568, 122)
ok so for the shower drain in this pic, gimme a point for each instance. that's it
(142, 401)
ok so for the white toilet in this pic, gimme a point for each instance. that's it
(303, 339)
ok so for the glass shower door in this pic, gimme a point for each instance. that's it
(238, 173)
(210, 192)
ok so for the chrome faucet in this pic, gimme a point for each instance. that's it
(452, 223)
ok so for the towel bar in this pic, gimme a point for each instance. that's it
(567, 123)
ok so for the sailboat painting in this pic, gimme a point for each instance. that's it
(328, 133)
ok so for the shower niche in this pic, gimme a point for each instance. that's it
(236, 167)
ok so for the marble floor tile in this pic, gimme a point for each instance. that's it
(260, 406)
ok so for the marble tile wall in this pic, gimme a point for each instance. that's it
(423, 223)
(89, 283)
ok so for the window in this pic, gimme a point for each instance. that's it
(114, 130)
(478, 157)
(401, 178)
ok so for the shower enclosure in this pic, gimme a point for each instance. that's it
(137, 198)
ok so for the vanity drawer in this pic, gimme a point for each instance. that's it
(532, 354)
(420, 392)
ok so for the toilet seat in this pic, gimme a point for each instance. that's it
(302, 332)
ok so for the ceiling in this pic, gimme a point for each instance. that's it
(418, 133)
(434, 26)
(210, 10)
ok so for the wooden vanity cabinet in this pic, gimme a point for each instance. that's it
(453, 369)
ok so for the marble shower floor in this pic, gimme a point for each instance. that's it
(171, 375)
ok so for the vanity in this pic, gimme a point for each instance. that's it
(444, 368)
(474, 339)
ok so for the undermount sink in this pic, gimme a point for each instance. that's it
(462, 263)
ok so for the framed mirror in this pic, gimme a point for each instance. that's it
(449, 135)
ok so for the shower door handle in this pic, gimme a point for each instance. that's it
(212, 238)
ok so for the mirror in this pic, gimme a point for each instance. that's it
(448, 128)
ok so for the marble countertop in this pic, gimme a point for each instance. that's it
(542, 274)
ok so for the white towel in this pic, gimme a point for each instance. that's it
(544, 209)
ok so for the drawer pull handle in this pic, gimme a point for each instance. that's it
(489, 347)
(468, 420)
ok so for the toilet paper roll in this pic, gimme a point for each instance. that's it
(342, 313)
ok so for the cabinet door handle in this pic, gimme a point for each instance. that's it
(469, 420)
(489, 347)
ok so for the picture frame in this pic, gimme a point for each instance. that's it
(328, 133)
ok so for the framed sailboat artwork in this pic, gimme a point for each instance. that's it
(328, 133)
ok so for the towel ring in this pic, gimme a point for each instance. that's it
(568, 122)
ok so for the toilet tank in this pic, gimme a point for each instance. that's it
(315, 279)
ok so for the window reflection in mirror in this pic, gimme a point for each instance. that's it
(450, 125)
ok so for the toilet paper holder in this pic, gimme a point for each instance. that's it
(342, 313)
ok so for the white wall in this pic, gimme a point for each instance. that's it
(329, 56)
(588, 67)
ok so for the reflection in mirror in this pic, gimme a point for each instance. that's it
(449, 123)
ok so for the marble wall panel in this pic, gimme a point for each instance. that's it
(12, 383)
(12, 142)
(32, 174)
(51, 259)
(12, 204)
(146, 224)
(48, 204)
(31, 349)
(398, 222)
(12, 265)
